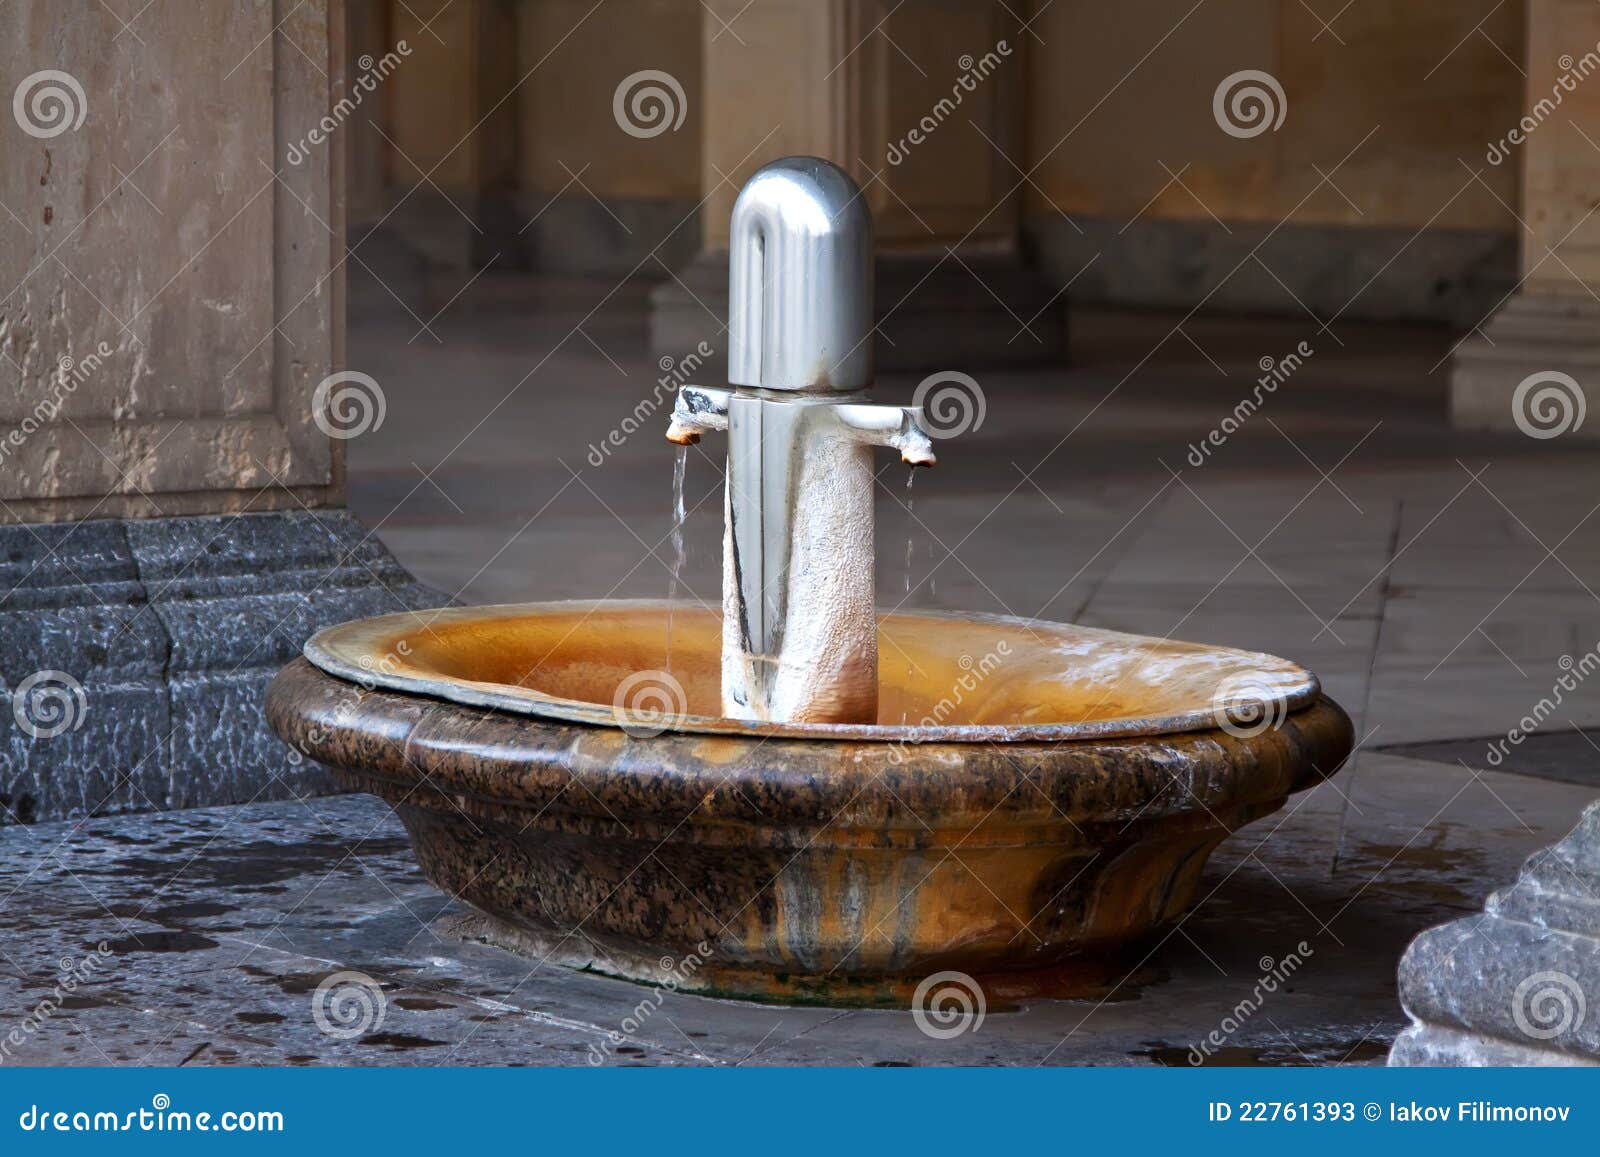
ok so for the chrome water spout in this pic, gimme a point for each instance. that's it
(799, 628)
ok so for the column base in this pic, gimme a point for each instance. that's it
(933, 314)
(135, 654)
(1517, 985)
(1529, 334)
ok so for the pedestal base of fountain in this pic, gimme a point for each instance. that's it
(1116, 971)
(134, 654)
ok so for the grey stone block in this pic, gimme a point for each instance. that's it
(1544, 334)
(163, 635)
(1519, 984)
(1436, 1047)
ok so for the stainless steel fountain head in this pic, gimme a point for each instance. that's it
(800, 281)
(799, 628)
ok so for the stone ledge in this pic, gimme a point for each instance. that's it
(173, 628)
(1530, 334)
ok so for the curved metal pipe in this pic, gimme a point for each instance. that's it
(800, 281)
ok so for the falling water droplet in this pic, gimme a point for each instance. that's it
(911, 542)
(911, 523)
(679, 468)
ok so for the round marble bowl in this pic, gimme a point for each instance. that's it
(1051, 799)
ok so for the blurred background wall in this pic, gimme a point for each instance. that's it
(1100, 152)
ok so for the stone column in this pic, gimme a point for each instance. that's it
(1547, 333)
(171, 254)
(921, 103)
(1516, 984)
(451, 136)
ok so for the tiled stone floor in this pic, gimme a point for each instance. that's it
(1433, 578)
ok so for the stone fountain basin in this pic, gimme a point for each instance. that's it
(1049, 806)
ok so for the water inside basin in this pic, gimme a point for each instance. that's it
(942, 678)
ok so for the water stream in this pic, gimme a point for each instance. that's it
(679, 468)
(911, 526)
(911, 546)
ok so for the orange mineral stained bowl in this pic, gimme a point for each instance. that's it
(1050, 799)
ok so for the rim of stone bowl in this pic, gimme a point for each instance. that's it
(339, 650)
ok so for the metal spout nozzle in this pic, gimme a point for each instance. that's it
(696, 410)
